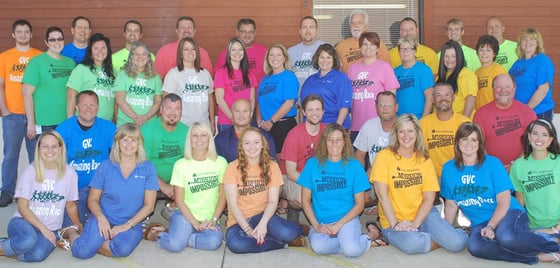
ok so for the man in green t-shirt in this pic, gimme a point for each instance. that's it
(132, 33)
(507, 53)
(455, 29)
(164, 141)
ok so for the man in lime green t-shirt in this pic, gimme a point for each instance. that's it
(164, 140)
(455, 30)
(507, 54)
(132, 33)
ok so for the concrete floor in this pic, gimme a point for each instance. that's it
(149, 255)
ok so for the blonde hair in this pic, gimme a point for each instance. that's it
(211, 153)
(132, 131)
(531, 33)
(287, 64)
(420, 151)
(38, 163)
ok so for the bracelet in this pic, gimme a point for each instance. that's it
(247, 229)
(490, 226)
(130, 223)
(214, 219)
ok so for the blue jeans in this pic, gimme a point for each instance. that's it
(83, 210)
(26, 242)
(514, 241)
(280, 233)
(547, 115)
(433, 228)
(14, 131)
(181, 233)
(349, 241)
(89, 243)
(223, 127)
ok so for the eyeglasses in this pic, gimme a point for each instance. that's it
(52, 40)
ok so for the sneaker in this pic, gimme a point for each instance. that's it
(6, 199)
(167, 211)
(298, 242)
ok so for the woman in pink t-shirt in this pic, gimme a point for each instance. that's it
(233, 81)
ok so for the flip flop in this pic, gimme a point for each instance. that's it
(154, 229)
(63, 242)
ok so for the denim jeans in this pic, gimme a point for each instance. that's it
(83, 210)
(26, 242)
(514, 241)
(89, 243)
(280, 233)
(433, 228)
(223, 127)
(14, 131)
(182, 233)
(349, 241)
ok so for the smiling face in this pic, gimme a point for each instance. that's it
(313, 112)
(81, 31)
(450, 59)
(87, 108)
(171, 113)
(528, 46)
(495, 28)
(247, 33)
(128, 146)
(486, 55)
(236, 52)
(189, 53)
(469, 145)
(335, 144)
(133, 33)
(455, 32)
(49, 150)
(308, 31)
(406, 136)
(368, 49)
(55, 42)
(408, 29)
(241, 113)
(252, 144)
(325, 61)
(276, 59)
(185, 28)
(199, 140)
(140, 58)
(99, 52)
(504, 91)
(540, 138)
(443, 98)
(407, 52)
(386, 108)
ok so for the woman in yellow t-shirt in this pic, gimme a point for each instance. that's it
(405, 182)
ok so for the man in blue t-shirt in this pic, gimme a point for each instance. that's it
(88, 141)
(81, 30)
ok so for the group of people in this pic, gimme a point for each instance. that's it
(107, 134)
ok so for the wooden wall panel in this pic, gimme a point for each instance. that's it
(516, 14)
(277, 21)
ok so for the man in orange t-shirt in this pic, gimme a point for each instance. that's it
(14, 122)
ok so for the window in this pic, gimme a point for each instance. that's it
(384, 17)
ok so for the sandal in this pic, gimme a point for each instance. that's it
(281, 210)
(154, 229)
(380, 241)
(555, 256)
(63, 242)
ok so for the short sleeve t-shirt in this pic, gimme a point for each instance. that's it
(48, 199)
(274, 90)
(233, 88)
(406, 180)
(485, 77)
(201, 183)
(83, 78)
(12, 67)
(252, 195)
(140, 93)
